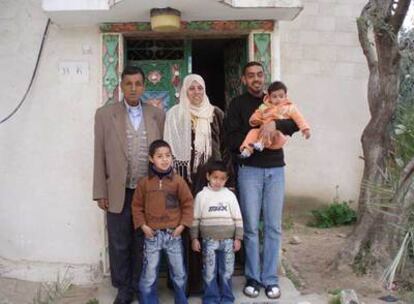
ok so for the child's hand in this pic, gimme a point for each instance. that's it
(306, 133)
(236, 245)
(178, 230)
(195, 245)
(149, 233)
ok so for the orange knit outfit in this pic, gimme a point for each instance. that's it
(283, 110)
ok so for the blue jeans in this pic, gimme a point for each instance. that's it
(173, 247)
(262, 189)
(218, 257)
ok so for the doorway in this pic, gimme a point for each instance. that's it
(208, 61)
(220, 62)
(167, 61)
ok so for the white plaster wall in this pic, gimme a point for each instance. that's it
(325, 71)
(47, 220)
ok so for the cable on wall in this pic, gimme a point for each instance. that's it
(33, 75)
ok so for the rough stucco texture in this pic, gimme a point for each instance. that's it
(46, 151)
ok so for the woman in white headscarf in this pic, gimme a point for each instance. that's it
(193, 128)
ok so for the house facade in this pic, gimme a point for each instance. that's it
(48, 222)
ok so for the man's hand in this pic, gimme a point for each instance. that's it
(149, 233)
(266, 115)
(195, 245)
(178, 230)
(306, 133)
(267, 131)
(103, 203)
(236, 245)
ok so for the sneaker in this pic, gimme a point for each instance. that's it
(252, 288)
(245, 153)
(258, 146)
(273, 291)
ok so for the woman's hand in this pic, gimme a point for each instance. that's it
(178, 230)
(195, 245)
(236, 245)
(149, 233)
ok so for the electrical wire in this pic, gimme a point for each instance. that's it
(33, 75)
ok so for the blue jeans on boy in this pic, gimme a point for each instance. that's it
(173, 247)
(218, 257)
(262, 189)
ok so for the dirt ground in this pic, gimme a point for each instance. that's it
(308, 262)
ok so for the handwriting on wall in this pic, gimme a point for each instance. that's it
(74, 71)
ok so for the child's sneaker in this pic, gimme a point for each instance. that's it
(258, 146)
(245, 153)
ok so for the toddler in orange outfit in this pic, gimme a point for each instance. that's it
(275, 105)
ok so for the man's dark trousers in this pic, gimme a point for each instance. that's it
(125, 250)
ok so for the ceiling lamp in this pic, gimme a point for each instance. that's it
(165, 19)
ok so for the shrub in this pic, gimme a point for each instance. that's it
(336, 214)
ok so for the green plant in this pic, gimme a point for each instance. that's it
(288, 223)
(401, 157)
(50, 293)
(335, 299)
(93, 301)
(335, 291)
(336, 214)
(404, 251)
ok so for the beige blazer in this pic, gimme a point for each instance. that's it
(110, 157)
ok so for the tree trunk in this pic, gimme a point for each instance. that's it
(369, 248)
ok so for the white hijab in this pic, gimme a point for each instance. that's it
(177, 131)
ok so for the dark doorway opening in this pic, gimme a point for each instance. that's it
(209, 58)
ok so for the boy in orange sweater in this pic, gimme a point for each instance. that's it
(162, 207)
(275, 105)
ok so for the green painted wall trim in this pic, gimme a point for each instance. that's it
(198, 26)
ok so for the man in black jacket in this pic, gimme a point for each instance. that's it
(261, 182)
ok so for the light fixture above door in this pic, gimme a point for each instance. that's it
(165, 19)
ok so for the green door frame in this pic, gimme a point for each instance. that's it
(260, 45)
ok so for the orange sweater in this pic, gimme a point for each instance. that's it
(283, 110)
(162, 203)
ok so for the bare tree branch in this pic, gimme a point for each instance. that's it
(400, 11)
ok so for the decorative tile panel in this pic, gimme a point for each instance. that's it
(110, 68)
(262, 52)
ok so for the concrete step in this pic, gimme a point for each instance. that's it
(290, 295)
(23, 292)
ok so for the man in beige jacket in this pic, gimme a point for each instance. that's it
(123, 132)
